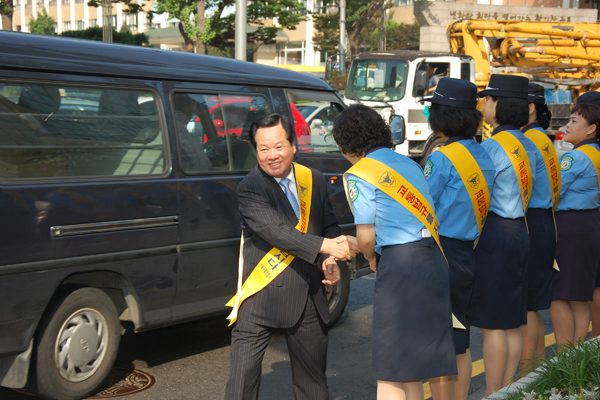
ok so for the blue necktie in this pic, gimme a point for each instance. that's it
(285, 182)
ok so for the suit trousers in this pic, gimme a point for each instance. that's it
(307, 343)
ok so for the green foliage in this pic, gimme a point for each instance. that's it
(129, 6)
(123, 36)
(43, 24)
(6, 7)
(574, 374)
(361, 16)
(338, 80)
(398, 36)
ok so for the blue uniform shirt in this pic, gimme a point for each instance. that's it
(579, 181)
(394, 224)
(506, 197)
(541, 195)
(452, 203)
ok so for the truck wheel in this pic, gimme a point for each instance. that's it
(76, 345)
(338, 295)
(437, 144)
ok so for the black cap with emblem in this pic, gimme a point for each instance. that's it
(510, 86)
(590, 98)
(457, 93)
(535, 94)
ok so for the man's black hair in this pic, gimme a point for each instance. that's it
(454, 122)
(511, 111)
(543, 115)
(269, 121)
(359, 128)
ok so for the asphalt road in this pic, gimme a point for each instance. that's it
(191, 361)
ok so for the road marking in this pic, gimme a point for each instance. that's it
(479, 368)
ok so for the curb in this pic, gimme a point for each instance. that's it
(523, 382)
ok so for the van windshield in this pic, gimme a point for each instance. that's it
(377, 80)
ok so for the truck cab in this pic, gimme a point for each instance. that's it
(394, 83)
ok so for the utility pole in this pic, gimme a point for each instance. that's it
(342, 36)
(107, 29)
(382, 33)
(241, 20)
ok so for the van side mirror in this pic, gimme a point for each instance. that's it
(398, 129)
(421, 82)
(316, 122)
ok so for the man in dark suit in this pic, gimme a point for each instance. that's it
(295, 300)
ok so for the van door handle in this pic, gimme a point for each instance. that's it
(112, 226)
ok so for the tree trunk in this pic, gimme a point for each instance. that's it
(7, 18)
(189, 43)
(201, 24)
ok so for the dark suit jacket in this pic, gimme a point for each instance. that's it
(268, 221)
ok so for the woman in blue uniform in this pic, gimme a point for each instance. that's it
(578, 226)
(412, 326)
(542, 233)
(453, 115)
(499, 303)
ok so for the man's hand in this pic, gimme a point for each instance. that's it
(332, 272)
(340, 248)
(353, 244)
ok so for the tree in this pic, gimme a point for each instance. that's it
(399, 36)
(360, 23)
(43, 24)
(123, 36)
(6, 11)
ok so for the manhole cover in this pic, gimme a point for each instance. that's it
(120, 383)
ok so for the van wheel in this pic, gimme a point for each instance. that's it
(437, 144)
(76, 345)
(337, 295)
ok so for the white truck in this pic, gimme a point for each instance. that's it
(393, 82)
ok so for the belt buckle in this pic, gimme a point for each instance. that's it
(425, 233)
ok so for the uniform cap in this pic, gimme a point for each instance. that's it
(510, 86)
(457, 93)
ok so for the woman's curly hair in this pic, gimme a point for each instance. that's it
(359, 128)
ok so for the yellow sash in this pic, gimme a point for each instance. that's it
(520, 162)
(472, 178)
(275, 261)
(545, 146)
(394, 185)
(594, 156)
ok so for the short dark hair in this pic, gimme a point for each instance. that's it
(543, 115)
(511, 111)
(589, 112)
(454, 122)
(269, 121)
(359, 128)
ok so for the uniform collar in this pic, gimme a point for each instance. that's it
(505, 128)
(455, 139)
(586, 141)
(374, 149)
(532, 125)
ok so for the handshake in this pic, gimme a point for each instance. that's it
(341, 248)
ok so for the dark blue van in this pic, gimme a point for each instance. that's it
(118, 172)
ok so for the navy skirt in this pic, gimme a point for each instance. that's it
(412, 324)
(577, 255)
(542, 235)
(499, 298)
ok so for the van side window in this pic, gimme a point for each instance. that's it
(68, 131)
(313, 120)
(213, 130)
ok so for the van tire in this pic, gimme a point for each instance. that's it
(338, 294)
(87, 320)
(435, 145)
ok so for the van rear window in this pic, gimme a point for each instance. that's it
(67, 131)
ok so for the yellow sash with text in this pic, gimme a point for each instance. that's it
(394, 185)
(594, 156)
(275, 261)
(545, 146)
(472, 178)
(520, 162)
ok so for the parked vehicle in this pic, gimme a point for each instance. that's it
(393, 82)
(117, 196)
